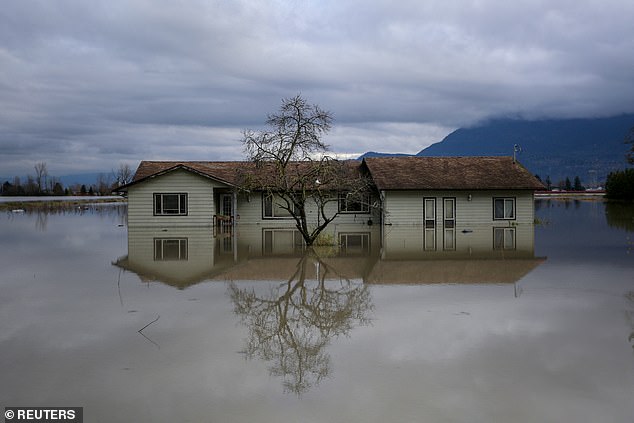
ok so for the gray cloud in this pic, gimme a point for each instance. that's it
(85, 85)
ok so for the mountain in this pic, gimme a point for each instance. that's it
(375, 154)
(588, 148)
(82, 178)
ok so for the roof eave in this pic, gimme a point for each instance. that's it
(124, 188)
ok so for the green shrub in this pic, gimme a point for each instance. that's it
(620, 185)
(324, 240)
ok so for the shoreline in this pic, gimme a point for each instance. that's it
(56, 204)
(570, 194)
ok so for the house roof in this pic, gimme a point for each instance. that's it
(388, 173)
(450, 173)
(236, 173)
(228, 172)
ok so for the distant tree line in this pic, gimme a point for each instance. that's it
(563, 184)
(42, 183)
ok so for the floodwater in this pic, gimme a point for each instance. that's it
(516, 324)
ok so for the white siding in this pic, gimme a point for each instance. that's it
(200, 199)
(201, 195)
(198, 262)
(250, 211)
(406, 207)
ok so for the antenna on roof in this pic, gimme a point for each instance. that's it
(516, 149)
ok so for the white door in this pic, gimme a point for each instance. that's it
(226, 205)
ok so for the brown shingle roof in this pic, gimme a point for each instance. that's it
(228, 172)
(388, 173)
(231, 173)
(417, 173)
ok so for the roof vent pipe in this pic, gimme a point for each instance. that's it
(516, 149)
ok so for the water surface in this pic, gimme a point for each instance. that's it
(166, 324)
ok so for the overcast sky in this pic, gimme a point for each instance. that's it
(86, 85)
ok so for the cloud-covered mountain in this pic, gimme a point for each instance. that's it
(558, 148)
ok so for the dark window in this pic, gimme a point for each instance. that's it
(354, 203)
(504, 208)
(429, 213)
(449, 239)
(170, 249)
(429, 218)
(170, 204)
(354, 243)
(449, 212)
(504, 238)
(282, 241)
(275, 207)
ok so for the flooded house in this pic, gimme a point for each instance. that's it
(432, 192)
(192, 221)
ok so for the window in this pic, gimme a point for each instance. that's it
(282, 241)
(429, 218)
(274, 207)
(354, 203)
(449, 239)
(170, 204)
(503, 238)
(354, 243)
(429, 213)
(226, 205)
(170, 249)
(449, 212)
(504, 208)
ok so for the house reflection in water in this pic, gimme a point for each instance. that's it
(313, 296)
(481, 254)
(177, 256)
(183, 256)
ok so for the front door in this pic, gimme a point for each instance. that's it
(226, 205)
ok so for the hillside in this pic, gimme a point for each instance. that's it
(555, 148)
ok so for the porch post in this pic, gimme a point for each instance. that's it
(234, 232)
(234, 208)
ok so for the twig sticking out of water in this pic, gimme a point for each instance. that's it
(141, 330)
(143, 335)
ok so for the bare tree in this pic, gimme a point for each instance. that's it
(104, 184)
(291, 326)
(41, 174)
(295, 170)
(123, 175)
(31, 187)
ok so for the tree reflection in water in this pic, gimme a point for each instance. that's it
(291, 325)
(620, 215)
(629, 314)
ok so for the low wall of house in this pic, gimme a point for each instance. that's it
(250, 210)
(472, 207)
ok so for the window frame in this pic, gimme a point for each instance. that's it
(429, 231)
(343, 203)
(504, 246)
(183, 249)
(513, 201)
(445, 219)
(347, 249)
(158, 202)
(270, 197)
(270, 246)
